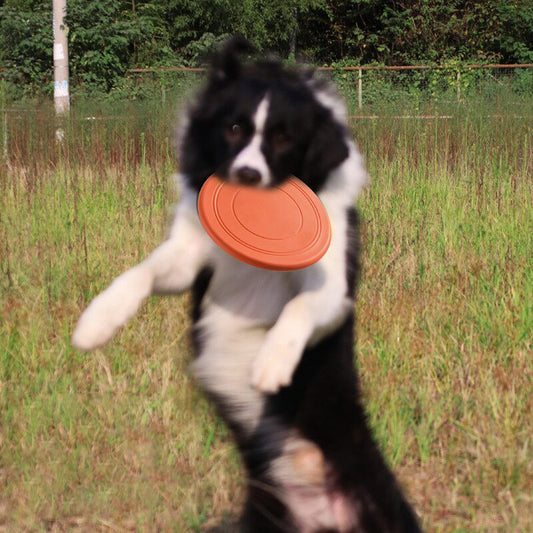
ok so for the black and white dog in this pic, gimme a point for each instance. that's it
(274, 349)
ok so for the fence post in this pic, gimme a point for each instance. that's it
(3, 106)
(458, 81)
(4, 136)
(360, 88)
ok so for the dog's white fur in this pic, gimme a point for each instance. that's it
(251, 155)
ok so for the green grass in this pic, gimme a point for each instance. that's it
(121, 439)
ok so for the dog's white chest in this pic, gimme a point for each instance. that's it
(248, 292)
(240, 306)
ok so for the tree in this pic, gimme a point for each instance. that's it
(26, 45)
(100, 42)
(106, 37)
(197, 26)
(411, 31)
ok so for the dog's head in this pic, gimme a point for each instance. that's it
(259, 123)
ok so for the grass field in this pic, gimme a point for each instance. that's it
(121, 440)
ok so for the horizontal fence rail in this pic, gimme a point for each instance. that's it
(357, 67)
(428, 67)
(361, 67)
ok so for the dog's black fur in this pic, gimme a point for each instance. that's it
(323, 402)
(274, 350)
(301, 138)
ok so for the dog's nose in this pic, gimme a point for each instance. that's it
(248, 176)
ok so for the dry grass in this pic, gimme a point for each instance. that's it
(121, 440)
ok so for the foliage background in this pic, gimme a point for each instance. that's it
(107, 37)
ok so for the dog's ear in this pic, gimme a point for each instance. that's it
(226, 64)
(327, 150)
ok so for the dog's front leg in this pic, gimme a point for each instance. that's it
(306, 319)
(171, 268)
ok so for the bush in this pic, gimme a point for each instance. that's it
(26, 45)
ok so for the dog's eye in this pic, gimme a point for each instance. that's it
(281, 141)
(234, 133)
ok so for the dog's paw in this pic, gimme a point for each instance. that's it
(94, 329)
(111, 309)
(275, 363)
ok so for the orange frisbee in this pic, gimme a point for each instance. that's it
(280, 228)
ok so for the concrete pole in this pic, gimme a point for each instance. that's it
(61, 87)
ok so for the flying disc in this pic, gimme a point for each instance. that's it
(279, 228)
